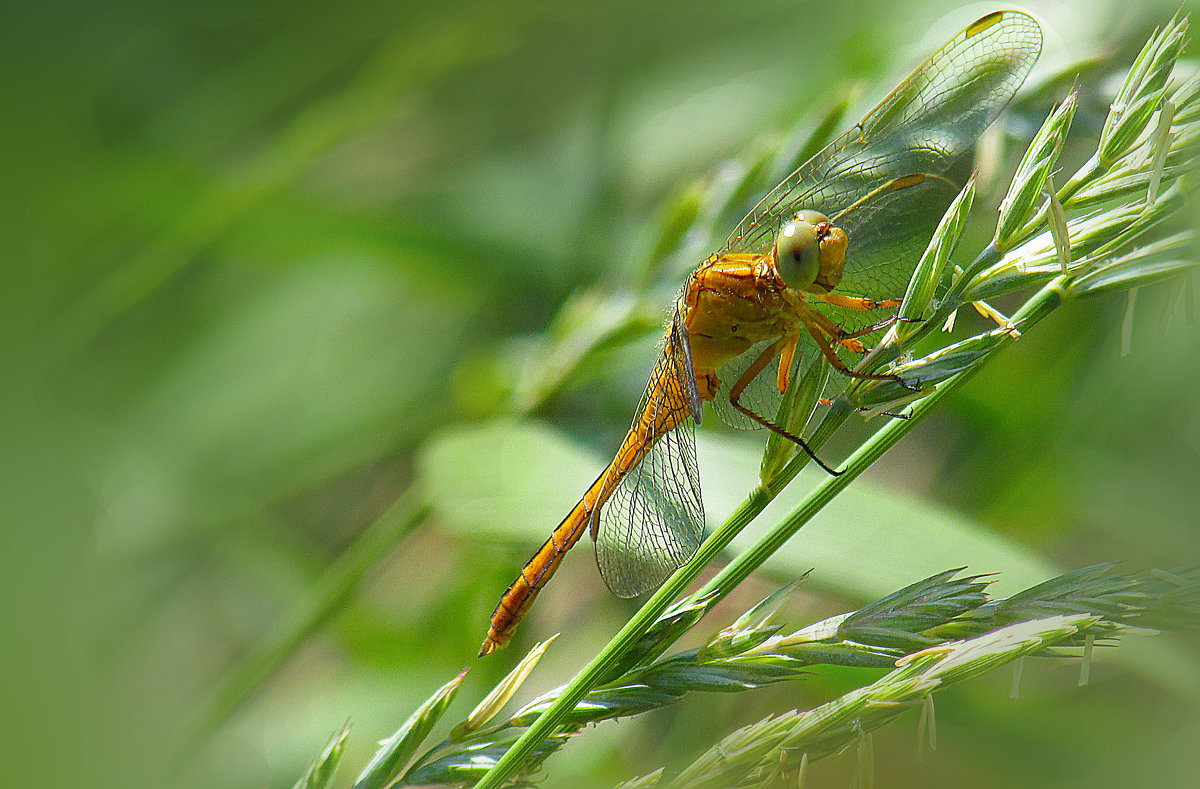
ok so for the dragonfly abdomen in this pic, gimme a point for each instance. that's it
(537, 572)
(652, 423)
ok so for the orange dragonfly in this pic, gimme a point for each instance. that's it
(805, 273)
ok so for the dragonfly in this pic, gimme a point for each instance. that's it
(809, 273)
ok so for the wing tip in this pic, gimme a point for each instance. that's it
(995, 17)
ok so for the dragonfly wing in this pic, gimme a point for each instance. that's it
(922, 126)
(679, 346)
(654, 520)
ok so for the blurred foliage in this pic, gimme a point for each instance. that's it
(269, 262)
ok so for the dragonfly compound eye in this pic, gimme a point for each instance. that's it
(797, 252)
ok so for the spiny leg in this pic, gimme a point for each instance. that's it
(844, 335)
(819, 333)
(854, 302)
(841, 366)
(813, 318)
(862, 304)
(849, 339)
(788, 346)
(822, 328)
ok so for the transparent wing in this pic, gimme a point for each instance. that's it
(926, 123)
(654, 520)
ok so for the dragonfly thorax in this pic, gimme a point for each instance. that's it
(809, 253)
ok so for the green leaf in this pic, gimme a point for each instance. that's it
(500, 695)
(1141, 266)
(647, 781)
(930, 269)
(673, 623)
(927, 371)
(893, 620)
(1022, 200)
(726, 674)
(751, 628)
(1143, 88)
(322, 768)
(396, 750)
(468, 765)
(1186, 98)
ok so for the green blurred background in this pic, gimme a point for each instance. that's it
(274, 266)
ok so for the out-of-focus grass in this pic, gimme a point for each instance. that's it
(266, 260)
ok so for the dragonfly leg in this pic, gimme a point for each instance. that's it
(839, 365)
(785, 364)
(823, 329)
(843, 335)
(811, 318)
(864, 304)
(787, 345)
(853, 302)
(827, 349)
(755, 368)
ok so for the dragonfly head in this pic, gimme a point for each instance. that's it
(809, 253)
